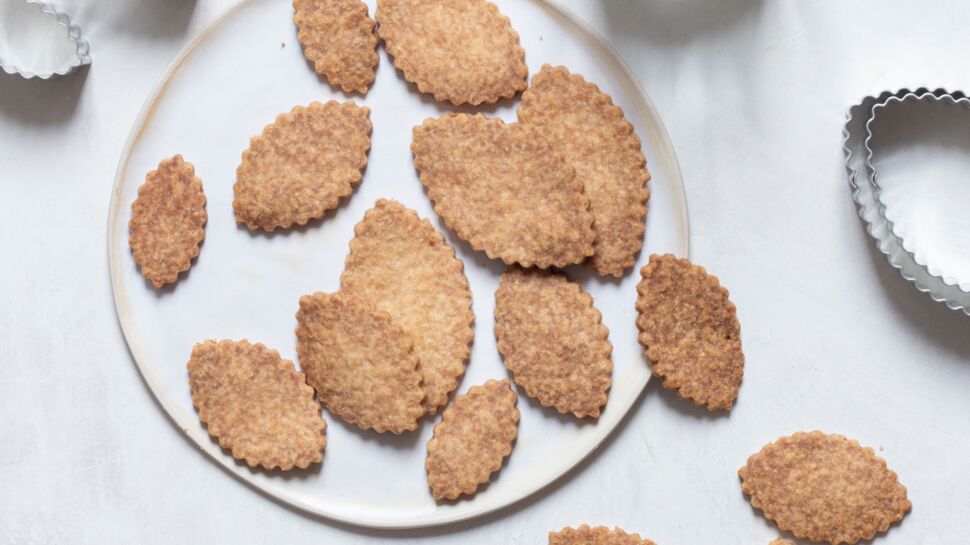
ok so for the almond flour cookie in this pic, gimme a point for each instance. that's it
(167, 221)
(474, 436)
(689, 329)
(461, 51)
(338, 38)
(503, 190)
(583, 125)
(302, 165)
(256, 404)
(824, 488)
(599, 535)
(553, 341)
(402, 264)
(360, 362)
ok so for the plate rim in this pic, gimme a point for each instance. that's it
(215, 454)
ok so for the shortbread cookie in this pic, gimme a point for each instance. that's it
(504, 191)
(167, 221)
(256, 404)
(402, 264)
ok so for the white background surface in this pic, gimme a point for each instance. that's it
(753, 94)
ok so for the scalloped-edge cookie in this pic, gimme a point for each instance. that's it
(475, 435)
(690, 332)
(256, 404)
(360, 362)
(503, 190)
(824, 487)
(597, 535)
(167, 223)
(403, 265)
(338, 38)
(302, 165)
(552, 339)
(460, 51)
(591, 133)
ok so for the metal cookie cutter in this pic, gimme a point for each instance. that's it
(866, 192)
(39, 41)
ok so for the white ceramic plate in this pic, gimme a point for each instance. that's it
(225, 86)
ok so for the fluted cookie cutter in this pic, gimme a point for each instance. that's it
(866, 192)
(39, 41)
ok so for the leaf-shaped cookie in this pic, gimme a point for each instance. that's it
(462, 51)
(591, 133)
(474, 436)
(824, 488)
(503, 190)
(690, 331)
(338, 38)
(598, 535)
(360, 362)
(167, 221)
(402, 264)
(256, 404)
(302, 165)
(553, 341)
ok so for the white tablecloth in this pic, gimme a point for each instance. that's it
(753, 94)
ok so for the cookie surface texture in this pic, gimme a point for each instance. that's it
(824, 487)
(256, 404)
(552, 339)
(360, 362)
(475, 434)
(591, 133)
(598, 535)
(302, 165)
(459, 51)
(403, 265)
(504, 191)
(690, 331)
(167, 221)
(338, 38)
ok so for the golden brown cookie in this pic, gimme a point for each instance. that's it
(503, 190)
(338, 38)
(461, 51)
(781, 541)
(690, 331)
(824, 488)
(256, 404)
(474, 436)
(302, 165)
(599, 535)
(360, 362)
(583, 125)
(553, 340)
(402, 264)
(167, 221)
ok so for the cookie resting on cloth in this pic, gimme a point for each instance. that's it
(460, 51)
(475, 434)
(591, 133)
(598, 535)
(553, 340)
(690, 331)
(338, 38)
(256, 404)
(824, 488)
(360, 362)
(503, 190)
(167, 221)
(402, 264)
(302, 165)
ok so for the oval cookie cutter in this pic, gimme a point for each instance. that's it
(865, 193)
(30, 18)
